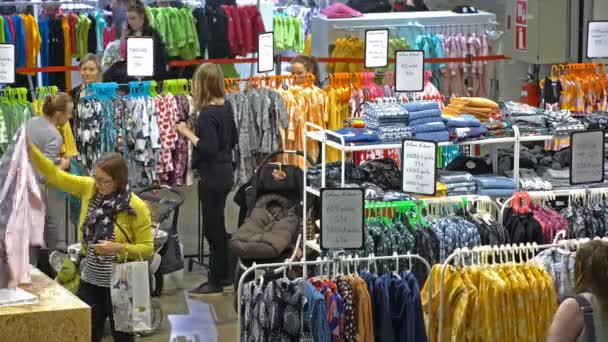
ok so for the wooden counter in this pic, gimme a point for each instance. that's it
(59, 315)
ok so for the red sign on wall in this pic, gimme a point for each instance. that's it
(521, 12)
(520, 38)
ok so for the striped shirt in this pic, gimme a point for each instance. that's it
(98, 268)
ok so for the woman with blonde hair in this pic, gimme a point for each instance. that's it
(214, 138)
(584, 318)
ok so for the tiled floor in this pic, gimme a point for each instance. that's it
(208, 319)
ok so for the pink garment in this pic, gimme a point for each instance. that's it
(109, 35)
(167, 112)
(339, 10)
(25, 225)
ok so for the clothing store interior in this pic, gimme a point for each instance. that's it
(303, 170)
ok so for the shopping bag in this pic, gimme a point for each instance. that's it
(130, 292)
(172, 258)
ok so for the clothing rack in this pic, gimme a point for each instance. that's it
(495, 252)
(283, 267)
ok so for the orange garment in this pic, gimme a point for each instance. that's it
(32, 41)
(363, 307)
(67, 49)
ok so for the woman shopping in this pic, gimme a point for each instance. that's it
(584, 318)
(90, 72)
(214, 140)
(115, 225)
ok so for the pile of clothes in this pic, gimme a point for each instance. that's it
(465, 127)
(388, 120)
(458, 183)
(482, 109)
(426, 122)
(530, 120)
(494, 185)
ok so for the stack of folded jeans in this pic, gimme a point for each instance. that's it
(388, 120)
(458, 183)
(426, 122)
(494, 185)
(465, 127)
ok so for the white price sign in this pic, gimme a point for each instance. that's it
(409, 74)
(376, 48)
(587, 164)
(419, 170)
(266, 52)
(7, 63)
(140, 56)
(342, 218)
(597, 39)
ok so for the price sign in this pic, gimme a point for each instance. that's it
(342, 218)
(587, 157)
(7, 63)
(418, 164)
(409, 74)
(597, 39)
(376, 48)
(140, 56)
(266, 52)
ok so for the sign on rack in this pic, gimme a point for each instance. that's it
(140, 57)
(7, 64)
(418, 167)
(587, 159)
(597, 39)
(409, 75)
(266, 52)
(342, 218)
(376, 48)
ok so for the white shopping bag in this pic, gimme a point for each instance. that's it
(130, 291)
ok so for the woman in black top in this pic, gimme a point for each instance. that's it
(215, 138)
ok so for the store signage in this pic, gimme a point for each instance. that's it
(342, 218)
(587, 157)
(7, 63)
(376, 48)
(597, 39)
(418, 167)
(266, 52)
(521, 25)
(409, 74)
(140, 56)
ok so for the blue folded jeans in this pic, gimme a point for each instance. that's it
(433, 136)
(429, 127)
(494, 182)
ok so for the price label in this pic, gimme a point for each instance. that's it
(7, 63)
(597, 39)
(376, 48)
(266, 52)
(587, 157)
(140, 56)
(342, 218)
(409, 74)
(418, 163)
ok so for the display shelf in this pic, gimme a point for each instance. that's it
(313, 191)
(531, 138)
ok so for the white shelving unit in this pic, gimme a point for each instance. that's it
(317, 133)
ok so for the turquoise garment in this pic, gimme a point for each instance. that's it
(100, 26)
(432, 45)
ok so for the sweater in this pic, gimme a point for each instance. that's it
(136, 232)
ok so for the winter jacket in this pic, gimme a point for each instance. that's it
(269, 231)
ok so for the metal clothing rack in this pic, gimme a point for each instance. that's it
(283, 267)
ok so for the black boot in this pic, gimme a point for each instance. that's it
(207, 289)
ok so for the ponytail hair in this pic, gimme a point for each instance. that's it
(56, 103)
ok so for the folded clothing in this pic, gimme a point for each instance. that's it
(384, 111)
(425, 114)
(471, 165)
(429, 127)
(492, 181)
(558, 173)
(356, 135)
(448, 177)
(394, 133)
(464, 120)
(496, 192)
(467, 132)
(463, 190)
(433, 136)
(419, 106)
(452, 186)
(340, 10)
(423, 121)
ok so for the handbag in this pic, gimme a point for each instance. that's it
(172, 259)
(130, 293)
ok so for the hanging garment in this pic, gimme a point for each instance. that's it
(25, 222)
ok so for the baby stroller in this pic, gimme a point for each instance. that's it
(275, 189)
(163, 201)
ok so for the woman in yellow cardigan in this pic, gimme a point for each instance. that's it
(115, 225)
